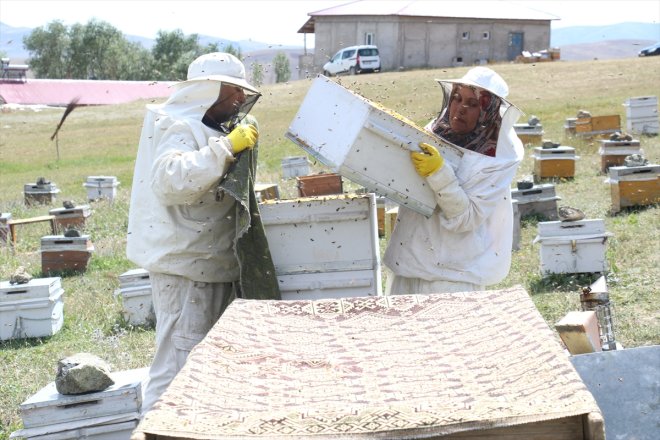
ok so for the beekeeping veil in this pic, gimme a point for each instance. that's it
(494, 134)
(191, 98)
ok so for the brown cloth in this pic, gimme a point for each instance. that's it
(412, 366)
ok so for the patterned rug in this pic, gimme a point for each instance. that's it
(372, 367)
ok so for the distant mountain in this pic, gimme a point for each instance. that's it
(592, 34)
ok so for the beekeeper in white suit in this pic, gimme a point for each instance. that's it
(466, 244)
(191, 201)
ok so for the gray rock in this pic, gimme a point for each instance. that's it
(69, 204)
(533, 120)
(568, 214)
(20, 276)
(583, 114)
(635, 160)
(42, 181)
(72, 232)
(549, 144)
(82, 373)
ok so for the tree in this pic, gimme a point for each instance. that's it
(282, 69)
(49, 49)
(236, 51)
(257, 74)
(172, 54)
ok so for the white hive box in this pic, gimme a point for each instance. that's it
(135, 292)
(324, 247)
(40, 193)
(572, 247)
(109, 431)
(108, 414)
(539, 199)
(363, 141)
(642, 114)
(31, 310)
(294, 166)
(101, 187)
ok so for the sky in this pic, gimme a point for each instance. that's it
(272, 21)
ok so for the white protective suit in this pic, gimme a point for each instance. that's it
(177, 225)
(466, 243)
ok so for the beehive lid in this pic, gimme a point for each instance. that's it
(528, 129)
(42, 188)
(48, 406)
(561, 151)
(60, 243)
(641, 101)
(101, 181)
(35, 288)
(606, 143)
(81, 210)
(644, 172)
(134, 277)
(541, 192)
(590, 227)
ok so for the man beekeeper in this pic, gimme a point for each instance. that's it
(192, 221)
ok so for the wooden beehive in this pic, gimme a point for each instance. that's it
(529, 134)
(4, 226)
(613, 153)
(319, 185)
(75, 217)
(554, 162)
(40, 194)
(65, 254)
(266, 191)
(634, 186)
(539, 199)
(324, 247)
(572, 247)
(597, 125)
(31, 310)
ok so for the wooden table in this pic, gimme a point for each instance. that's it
(26, 221)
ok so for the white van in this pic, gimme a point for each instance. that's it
(354, 60)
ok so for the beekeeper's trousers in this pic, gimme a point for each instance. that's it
(185, 311)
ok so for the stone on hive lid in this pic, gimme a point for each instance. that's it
(20, 276)
(635, 160)
(549, 144)
(69, 204)
(82, 373)
(583, 114)
(533, 120)
(42, 181)
(568, 214)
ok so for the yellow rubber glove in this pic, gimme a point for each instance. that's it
(243, 137)
(428, 162)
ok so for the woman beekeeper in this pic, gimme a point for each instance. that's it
(466, 244)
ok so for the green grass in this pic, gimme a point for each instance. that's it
(103, 141)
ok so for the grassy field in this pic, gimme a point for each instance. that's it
(103, 140)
